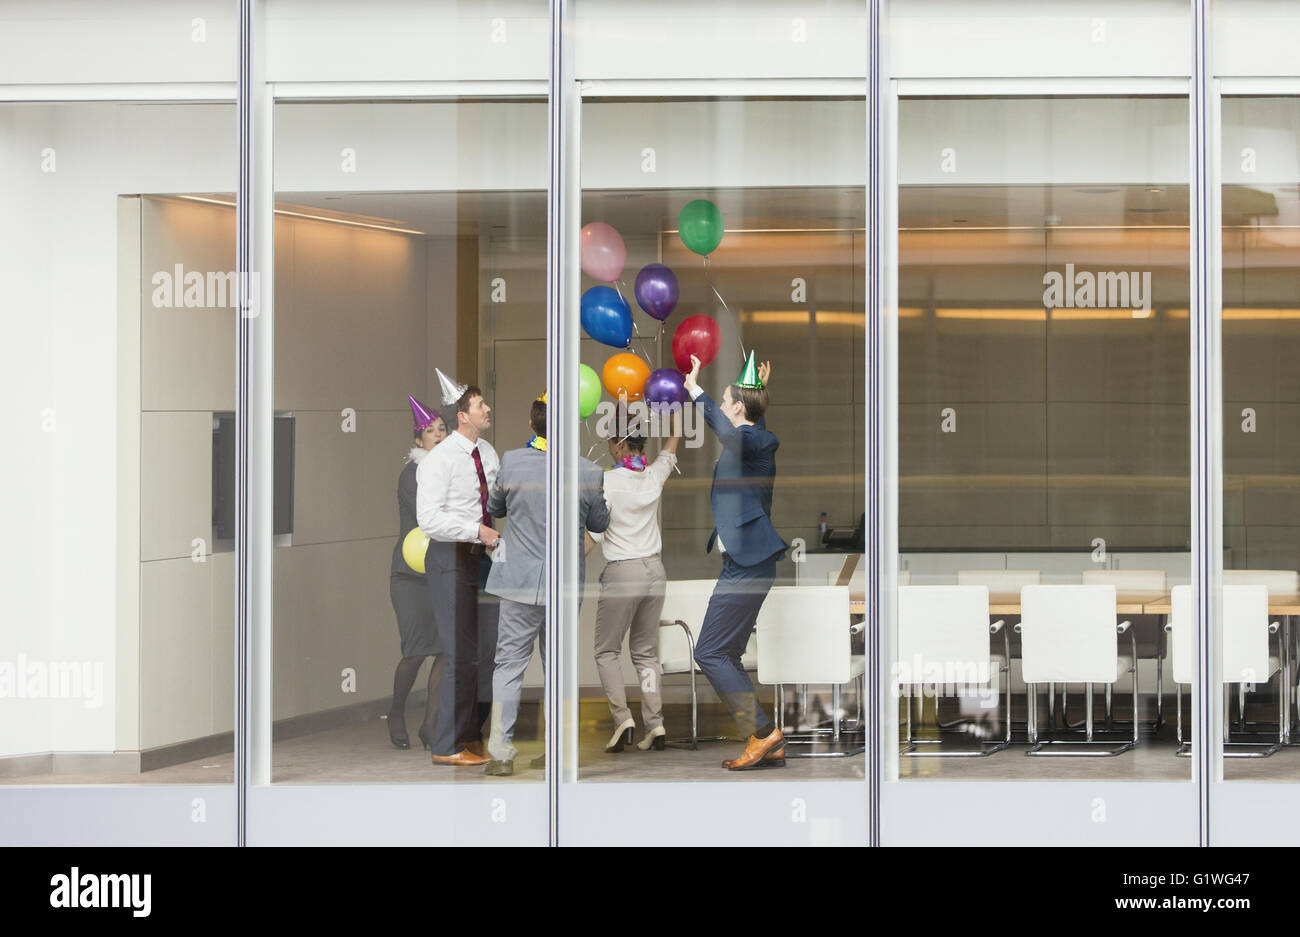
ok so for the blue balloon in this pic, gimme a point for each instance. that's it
(605, 316)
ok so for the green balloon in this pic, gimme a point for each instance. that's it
(589, 391)
(700, 226)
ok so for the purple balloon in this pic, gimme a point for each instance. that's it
(656, 290)
(664, 387)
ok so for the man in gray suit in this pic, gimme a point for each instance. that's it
(518, 573)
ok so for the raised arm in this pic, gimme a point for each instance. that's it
(730, 436)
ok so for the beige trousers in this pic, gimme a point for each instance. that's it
(631, 598)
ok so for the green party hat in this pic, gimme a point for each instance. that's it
(748, 376)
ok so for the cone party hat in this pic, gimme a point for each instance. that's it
(420, 413)
(748, 376)
(451, 391)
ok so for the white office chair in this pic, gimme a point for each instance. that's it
(1136, 580)
(1246, 657)
(943, 640)
(685, 602)
(806, 639)
(999, 580)
(1068, 634)
(1277, 581)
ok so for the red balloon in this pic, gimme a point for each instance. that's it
(699, 336)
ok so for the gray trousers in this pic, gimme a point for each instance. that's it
(519, 627)
(631, 599)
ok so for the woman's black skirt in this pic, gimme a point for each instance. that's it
(414, 615)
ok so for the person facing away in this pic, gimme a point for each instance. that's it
(519, 575)
(741, 498)
(633, 583)
(452, 484)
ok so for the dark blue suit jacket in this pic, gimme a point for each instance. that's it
(742, 488)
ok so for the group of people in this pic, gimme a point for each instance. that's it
(454, 487)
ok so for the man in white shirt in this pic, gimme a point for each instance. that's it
(452, 485)
(632, 584)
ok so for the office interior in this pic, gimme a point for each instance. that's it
(1037, 442)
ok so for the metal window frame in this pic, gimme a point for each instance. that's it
(1206, 468)
(48, 814)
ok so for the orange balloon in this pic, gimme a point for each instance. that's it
(625, 374)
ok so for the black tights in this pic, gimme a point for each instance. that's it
(408, 668)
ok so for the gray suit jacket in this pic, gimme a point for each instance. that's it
(520, 494)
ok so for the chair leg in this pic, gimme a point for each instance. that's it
(1031, 693)
(1184, 749)
(1087, 711)
(1089, 747)
(1160, 673)
(910, 736)
(1135, 693)
(1269, 749)
(695, 709)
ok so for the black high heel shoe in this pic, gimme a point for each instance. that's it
(621, 738)
(425, 740)
(397, 722)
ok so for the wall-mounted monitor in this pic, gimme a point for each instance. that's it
(223, 477)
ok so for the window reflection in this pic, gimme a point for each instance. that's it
(1043, 435)
(1261, 400)
(735, 488)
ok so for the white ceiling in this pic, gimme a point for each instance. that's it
(652, 211)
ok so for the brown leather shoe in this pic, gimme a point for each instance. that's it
(774, 759)
(476, 748)
(756, 752)
(465, 759)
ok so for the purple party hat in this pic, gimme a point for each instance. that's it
(421, 414)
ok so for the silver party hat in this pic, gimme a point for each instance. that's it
(451, 391)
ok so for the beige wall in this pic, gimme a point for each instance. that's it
(352, 331)
(1066, 430)
(186, 592)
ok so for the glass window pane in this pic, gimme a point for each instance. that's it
(724, 222)
(1043, 435)
(117, 247)
(1261, 400)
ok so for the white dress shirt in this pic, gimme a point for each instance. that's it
(447, 503)
(633, 499)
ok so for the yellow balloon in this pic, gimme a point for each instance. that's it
(413, 547)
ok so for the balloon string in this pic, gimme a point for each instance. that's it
(636, 329)
(709, 279)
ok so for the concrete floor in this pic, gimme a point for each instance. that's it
(361, 753)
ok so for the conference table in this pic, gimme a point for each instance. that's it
(1132, 602)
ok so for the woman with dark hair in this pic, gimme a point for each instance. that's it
(633, 584)
(410, 594)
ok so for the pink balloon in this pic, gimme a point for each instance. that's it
(602, 252)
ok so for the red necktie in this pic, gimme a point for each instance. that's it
(482, 487)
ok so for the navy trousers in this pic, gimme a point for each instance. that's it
(467, 632)
(728, 623)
